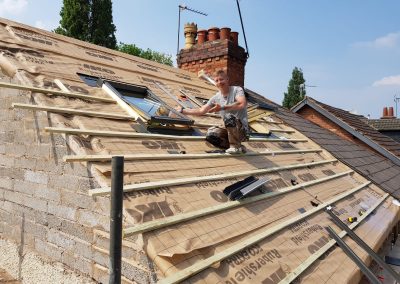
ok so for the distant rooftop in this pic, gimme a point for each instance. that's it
(385, 124)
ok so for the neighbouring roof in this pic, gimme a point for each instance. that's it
(357, 126)
(385, 124)
(174, 198)
(378, 169)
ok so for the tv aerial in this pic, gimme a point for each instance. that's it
(183, 8)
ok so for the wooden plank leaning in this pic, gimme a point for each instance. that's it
(188, 180)
(105, 133)
(72, 111)
(157, 224)
(55, 92)
(143, 157)
(217, 258)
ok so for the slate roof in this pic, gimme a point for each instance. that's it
(355, 125)
(385, 124)
(374, 167)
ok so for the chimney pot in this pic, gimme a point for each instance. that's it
(190, 32)
(213, 34)
(201, 36)
(225, 33)
(234, 36)
(385, 112)
(391, 113)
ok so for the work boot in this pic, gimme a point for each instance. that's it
(236, 150)
(233, 150)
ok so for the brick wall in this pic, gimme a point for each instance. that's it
(314, 116)
(44, 202)
(215, 55)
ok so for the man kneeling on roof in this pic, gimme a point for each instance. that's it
(231, 104)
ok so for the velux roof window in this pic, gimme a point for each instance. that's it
(151, 108)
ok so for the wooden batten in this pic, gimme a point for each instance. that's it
(143, 157)
(55, 92)
(72, 111)
(181, 275)
(152, 136)
(188, 180)
(157, 224)
(314, 257)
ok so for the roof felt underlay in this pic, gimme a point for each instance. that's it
(259, 240)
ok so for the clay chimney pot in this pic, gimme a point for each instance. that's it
(190, 32)
(385, 112)
(225, 33)
(234, 36)
(201, 36)
(213, 34)
(391, 113)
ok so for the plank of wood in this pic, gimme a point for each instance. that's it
(150, 135)
(188, 180)
(315, 256)
(272, 122)
(134, 157)
(157, 224)
(55, 92)
(192, 98)
(181, 275)
(282, 130)
(205, 125)
(127, 108)
(72, 111)
(253, 117)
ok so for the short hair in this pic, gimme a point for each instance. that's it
(220, 72)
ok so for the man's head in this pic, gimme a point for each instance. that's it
(222, 81)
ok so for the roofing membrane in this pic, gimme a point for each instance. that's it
(174, 199)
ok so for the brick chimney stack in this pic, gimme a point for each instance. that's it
(213, 50)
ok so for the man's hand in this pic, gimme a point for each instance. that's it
(215, 108)
(178, 109)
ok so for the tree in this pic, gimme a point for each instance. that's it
(102, 29)
(88, 20)
(75, 19)
(146, 54)
(296, 89)
(92, 21)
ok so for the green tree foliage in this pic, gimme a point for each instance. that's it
(92, 21)
(88, 20)
(296, 89)
(75, 19)
(102, 29)
(147, 54)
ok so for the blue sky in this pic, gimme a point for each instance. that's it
(349, 49)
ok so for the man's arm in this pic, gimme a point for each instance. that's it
(240, 103)
(199, 111)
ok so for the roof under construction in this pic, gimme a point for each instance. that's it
(104, 103)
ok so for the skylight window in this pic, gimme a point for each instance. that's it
(152, 109)
(89, 80)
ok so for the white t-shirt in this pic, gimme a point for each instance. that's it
(234, 93)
